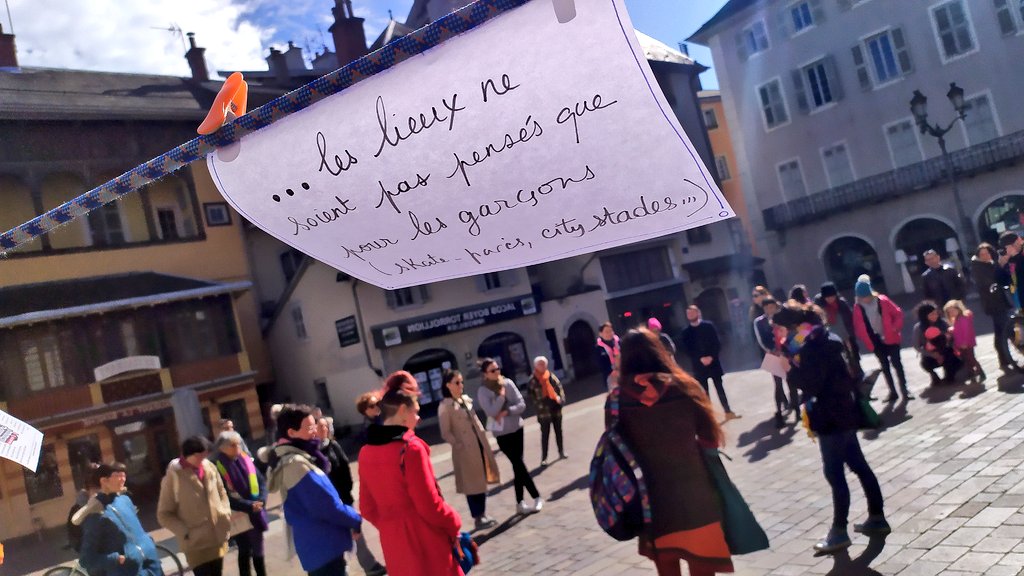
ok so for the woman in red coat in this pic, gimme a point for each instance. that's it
(398, 492)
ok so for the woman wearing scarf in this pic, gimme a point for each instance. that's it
(665, 416)
(398, 491)
(247, 492)
(504, 405)
(194, 506)
(472, 459)
(549, 397)
(815, 362)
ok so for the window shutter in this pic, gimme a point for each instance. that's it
(481, 282)
(389, 296)
(741, 46)
(509, 278)
(844, 5)
(835, 83)
(862, 70)
(801, 93)
(902, 51)
(783, 18)
(424, 294)
(817, 12)
(1007, 25)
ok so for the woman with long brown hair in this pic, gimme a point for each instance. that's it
(665, 416)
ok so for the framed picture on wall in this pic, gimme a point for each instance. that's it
(217, 213)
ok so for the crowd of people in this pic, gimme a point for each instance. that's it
(215, 493)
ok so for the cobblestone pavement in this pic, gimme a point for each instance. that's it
(949, 463)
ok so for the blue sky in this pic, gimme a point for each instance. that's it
(121, 36)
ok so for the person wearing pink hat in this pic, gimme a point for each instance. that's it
(654, 325)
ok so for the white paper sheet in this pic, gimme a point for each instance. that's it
(519, 142)
(774, 365)
(19, 442)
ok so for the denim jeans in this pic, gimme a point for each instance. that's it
(839, 450)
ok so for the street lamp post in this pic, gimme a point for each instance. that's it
(919, 107)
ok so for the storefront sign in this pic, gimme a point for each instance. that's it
(129, 364)
(348, 331)
(127, 412)
(522, 141)
(450, 321)
(19, 442)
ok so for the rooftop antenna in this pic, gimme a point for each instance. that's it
(9, 20)
(173, 29)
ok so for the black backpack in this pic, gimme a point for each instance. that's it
(618, 492)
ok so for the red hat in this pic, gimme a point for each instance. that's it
(932, 333)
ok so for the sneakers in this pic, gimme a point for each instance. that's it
(538, 503)
(730, 415)
(873, 526)
(562, 456)
(377, 570)
(544, 462)
(836, 540)
(484, 522)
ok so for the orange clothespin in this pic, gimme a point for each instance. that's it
(228, 105)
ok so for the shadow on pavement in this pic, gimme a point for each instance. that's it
(581, 483)
(1010, 383)
(973, 389)
(891, 416)
(499, 529)
(843, 565)
(765, 437)
(939, 393)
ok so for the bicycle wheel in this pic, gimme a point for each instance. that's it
(65, 571)
(1015, 342)
(169, 561)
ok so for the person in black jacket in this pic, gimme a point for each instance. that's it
(839, 317)
(816, 363)
(700, 341)
(992, 280)
(941, 283)
(340, 475)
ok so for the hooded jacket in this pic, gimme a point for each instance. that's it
(321, 523)
(892, 322)
(110, 529)
(398, 494)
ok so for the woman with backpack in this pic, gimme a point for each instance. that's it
(815, 361)
(666, 417)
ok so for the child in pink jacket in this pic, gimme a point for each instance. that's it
(961, 325)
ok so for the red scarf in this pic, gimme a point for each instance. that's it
(200, 471)
(545, 383)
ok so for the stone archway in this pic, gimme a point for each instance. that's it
(509, 349)
(580, 344)
(999, 215)
(921, 234)
(714, 307)
(847, 257)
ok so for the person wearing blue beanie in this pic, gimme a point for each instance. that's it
(878, 323)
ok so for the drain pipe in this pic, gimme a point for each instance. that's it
(359, 318)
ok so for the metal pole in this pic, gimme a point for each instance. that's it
(968, 241)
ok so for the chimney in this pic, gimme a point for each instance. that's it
(348, 33)
(8, 51)
(196, 60)
(278, 65)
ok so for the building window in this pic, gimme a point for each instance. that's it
(979, 120)
(953, 29)
(105, 225)
(773, 108)
(290, 262)
(791, 179)
(903, 143)
(404, 297)
(43, 366)
(168, 223)
(300, 324)
(722, 163)
(637, 268)
(492, 280)
(754, 38)
(700, 235)
(323, 397)
(1010, 14)
(710, 120)
(837, 165)
(45, 484)
(887, 56)
(816, 85)
(800, 16)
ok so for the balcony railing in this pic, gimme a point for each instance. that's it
(987, 156)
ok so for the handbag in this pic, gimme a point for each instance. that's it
(869, 419)
(742, 532)
(465, 552)
(240, 522)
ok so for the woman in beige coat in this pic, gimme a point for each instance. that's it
(472, 458)
(194, 506)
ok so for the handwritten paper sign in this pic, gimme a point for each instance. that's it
(19, 442)
(522, 141)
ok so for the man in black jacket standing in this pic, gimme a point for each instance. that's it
(992, 280)
(700, 341)
(941, 283)
(839, 314)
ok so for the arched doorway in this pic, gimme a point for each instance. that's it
(509, 349)
(580, 344)
(848, 257)
(1006, 213)
(715, 309)
(427, 367)
(919, 235)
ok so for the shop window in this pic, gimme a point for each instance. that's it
(45, 483)
(82, 453)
